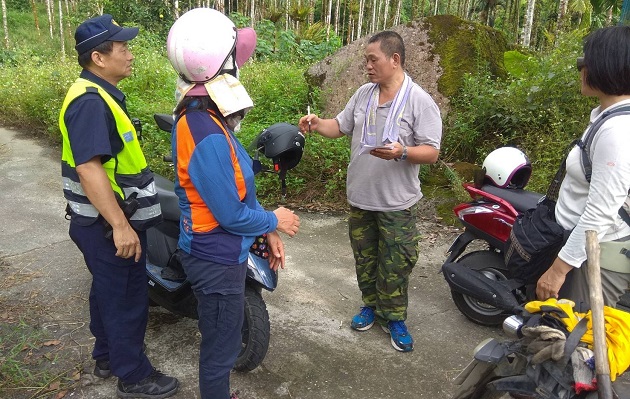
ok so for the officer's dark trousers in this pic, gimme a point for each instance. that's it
(220, 292)
(118, 302)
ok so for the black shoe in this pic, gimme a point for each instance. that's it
(101, 370)
(155, 386)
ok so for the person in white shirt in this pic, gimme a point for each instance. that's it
(582, 206)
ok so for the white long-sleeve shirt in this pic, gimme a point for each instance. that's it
(595, 206)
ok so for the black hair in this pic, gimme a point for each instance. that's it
(106, 47)
(390, 43)
(607, 60)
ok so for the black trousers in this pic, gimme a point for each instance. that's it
(119, 302)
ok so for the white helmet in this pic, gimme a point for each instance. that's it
(507, 167)
(201, 44)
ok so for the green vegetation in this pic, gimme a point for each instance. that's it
(25, 357)
(538, 108)
(534, 104)
(34, 80)
(463, 49)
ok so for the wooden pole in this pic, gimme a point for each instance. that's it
(602, 368)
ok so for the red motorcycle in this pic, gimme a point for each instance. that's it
(481, 285)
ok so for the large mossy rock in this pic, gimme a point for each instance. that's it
(440, 51)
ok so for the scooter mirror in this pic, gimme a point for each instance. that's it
(164, 121)
(479, 177)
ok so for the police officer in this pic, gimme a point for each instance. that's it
(104, 171)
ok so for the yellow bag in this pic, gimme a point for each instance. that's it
(617, 323)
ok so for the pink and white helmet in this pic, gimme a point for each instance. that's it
(507, 167)
(201, 43)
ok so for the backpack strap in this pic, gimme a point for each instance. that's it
(585, 146)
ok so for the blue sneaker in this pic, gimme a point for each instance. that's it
(401, 339)
(364, 320)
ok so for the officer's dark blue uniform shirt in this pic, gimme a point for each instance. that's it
(91, 125)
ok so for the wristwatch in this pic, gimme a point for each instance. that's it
(404, 153)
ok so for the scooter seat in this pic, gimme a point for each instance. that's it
(520, 199)
(168, 199)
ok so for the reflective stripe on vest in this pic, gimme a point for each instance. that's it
(127, 171)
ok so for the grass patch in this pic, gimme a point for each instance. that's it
(32, 364)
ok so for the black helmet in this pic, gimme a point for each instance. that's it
(283, 144)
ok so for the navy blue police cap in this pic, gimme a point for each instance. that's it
(99, 29)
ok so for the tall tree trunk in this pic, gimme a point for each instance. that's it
(529, 21)
(4, 24)
(353, 24)
(385, 14)
(176, 8)
(337, 6)
(287, 7)
(61, 36)
(514, 19)
(252, 13)
(609, 16)
(461, 8)
(374, 22)
(435, 11)
(35, 17)
(398, 8)
(351, 29)
(562, 12)
(360, 19)
(329, 18)
(414, 10)
(50, 17)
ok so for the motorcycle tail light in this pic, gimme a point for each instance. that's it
(471, 210)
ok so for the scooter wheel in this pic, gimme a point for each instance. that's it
(492, 265)
(255, 332)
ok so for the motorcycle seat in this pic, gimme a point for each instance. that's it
(169, 201)
(520, 199)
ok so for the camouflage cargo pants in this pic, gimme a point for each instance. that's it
(385, 247)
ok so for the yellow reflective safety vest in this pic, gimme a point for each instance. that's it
(127, 170)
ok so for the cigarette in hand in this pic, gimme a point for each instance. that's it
(308, 112)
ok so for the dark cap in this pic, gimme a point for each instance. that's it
(97, 30)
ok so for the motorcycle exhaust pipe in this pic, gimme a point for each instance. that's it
(512, 326)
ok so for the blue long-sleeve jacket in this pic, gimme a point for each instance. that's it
(214, 181)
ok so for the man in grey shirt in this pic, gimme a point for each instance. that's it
(394, 126)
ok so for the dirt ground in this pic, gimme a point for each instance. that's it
(313, 353)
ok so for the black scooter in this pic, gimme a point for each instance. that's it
(169, 288)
